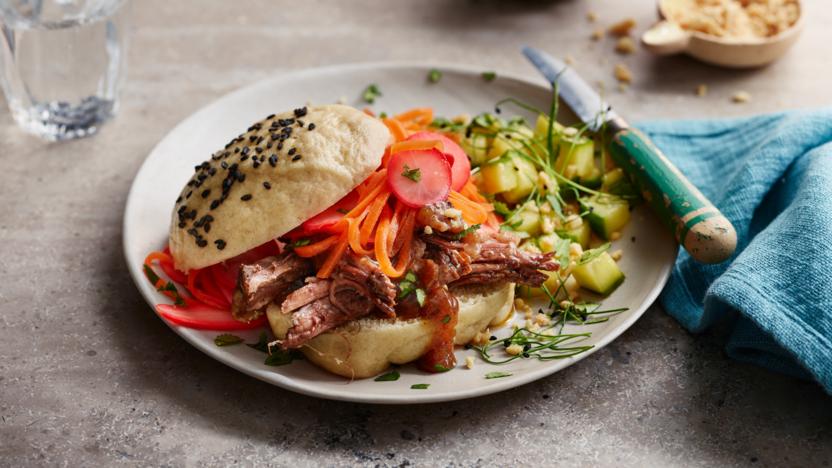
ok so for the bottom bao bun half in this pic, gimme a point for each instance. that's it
(366, 347)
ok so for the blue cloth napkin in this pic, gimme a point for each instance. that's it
(771, 175)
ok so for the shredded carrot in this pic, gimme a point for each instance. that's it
(354, 235)
(421, 115)
(373, 213)
(160, 257)
(314, 249)
(406, 240)
(395, 225)
(472, 212)
(396, 128)
(380, 247)
(416, 145)
(334, 257)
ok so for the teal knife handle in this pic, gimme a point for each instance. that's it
(696, 223)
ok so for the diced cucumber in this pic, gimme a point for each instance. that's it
(526, 178)
(498, 175)
(600, 275)
(476, 147)
(579, 153)
(548, 242)
(607, 214)
(541, 129)
(580, 234)
(500, 146)
(593, 180)
(527, 219)
(616, 182)
(611, 178)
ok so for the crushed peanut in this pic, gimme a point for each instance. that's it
(452, 213)
(617, 255)
(741, 97)
(570, 131)
(623, 73)
(615, 236)
(542, 320)
(591, 16)
(569, 60)
(597, 34)
(514, 349)
(625, 45)
(469, 362)
(702, 90)
(744, 19)
(521, 305)
(481, 338)
(622, 28)
(428, 230)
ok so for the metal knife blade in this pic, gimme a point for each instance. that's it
(584, 101)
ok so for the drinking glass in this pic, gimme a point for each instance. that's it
(62, 63)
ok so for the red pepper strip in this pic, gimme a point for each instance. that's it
(202, 296)
(205, 317)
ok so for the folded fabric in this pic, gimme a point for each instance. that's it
(771, 175)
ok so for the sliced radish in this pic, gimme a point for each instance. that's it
(328, 218)
(419, 177)
(206, 318)
(460, 165)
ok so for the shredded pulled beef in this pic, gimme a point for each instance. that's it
(270, 279)
(442, 259)
(502, 262)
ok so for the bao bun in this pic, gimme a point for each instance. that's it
(366, 347)
(265, 197)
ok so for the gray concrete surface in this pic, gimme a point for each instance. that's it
(89, 376)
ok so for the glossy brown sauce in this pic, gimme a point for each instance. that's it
(442, 310)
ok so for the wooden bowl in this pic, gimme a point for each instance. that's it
(667, 37)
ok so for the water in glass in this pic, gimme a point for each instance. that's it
(62, 63)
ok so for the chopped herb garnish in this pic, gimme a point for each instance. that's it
(420, 386)
(342, 210)
(280, 358)
(388, 377)
(497, 375)
(440, 368)
(371, 93)
(420, 296)
(446, 319)
(489, 75)
(300, 243)
(410, 285)
(227, 339)
(501, 208)
(262, 344)
(414, 174)
(434, 75)
(383, 115)
(463, 233)
(166, 286)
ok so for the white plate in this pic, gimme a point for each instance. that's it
(646, 262)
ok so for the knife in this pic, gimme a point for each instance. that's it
(696, 223)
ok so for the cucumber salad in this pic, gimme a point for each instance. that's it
(555, 187)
